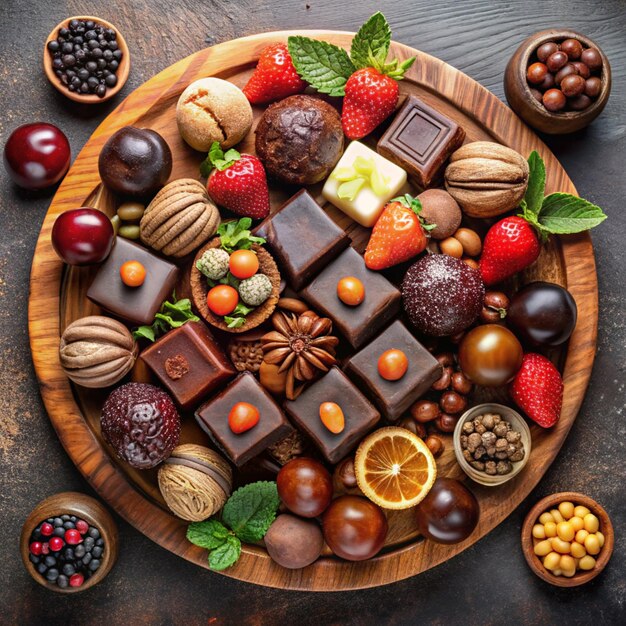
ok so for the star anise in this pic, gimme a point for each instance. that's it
(302, 346)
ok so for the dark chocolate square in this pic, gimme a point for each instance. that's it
(303, 238)
(212, 417)
(356, 323)
(189, 362)
(393, 398)
(137, 305)
(420, 140)
(359, 414)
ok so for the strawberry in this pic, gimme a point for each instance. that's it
(237, 182)
(538, 390)
(397, 236)
(510, 245)
(370, 97)
(274, 78)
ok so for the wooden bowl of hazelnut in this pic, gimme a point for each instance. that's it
(558, 81)
(567, 539)
(492, 443)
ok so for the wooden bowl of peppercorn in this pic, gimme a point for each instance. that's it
(99, 73)
(519, 93)
(84, 508)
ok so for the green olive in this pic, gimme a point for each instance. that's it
(129, 231)
(130, 211)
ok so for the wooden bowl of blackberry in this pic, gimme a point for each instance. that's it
(558, 81)
(86, 59)
(69, 542)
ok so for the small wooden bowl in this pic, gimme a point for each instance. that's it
(88, 98)
(84, 507)
(528, 542)
(526, 106)
(516, 421)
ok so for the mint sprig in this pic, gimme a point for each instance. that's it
(171, 315)
(559, 213)
(238, 317)
(370, 45)
(246, 516)
(236, 235)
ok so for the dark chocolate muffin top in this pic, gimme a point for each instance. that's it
(442, 295)
(299, 140)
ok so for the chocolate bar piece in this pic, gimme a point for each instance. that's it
(138, 305)
(272, 426)
(303, 238)
(421, 140)
(357, 323)
(394, 397)
(189, 363)
(359, 414)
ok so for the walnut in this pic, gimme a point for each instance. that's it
(513, 436)
(501, 444)
(468, 428)
(479, 465)
(467, 455)
(500, 429)
(479, 427)
(480, 452)
(489, 439)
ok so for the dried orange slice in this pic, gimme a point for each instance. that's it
(394, 468)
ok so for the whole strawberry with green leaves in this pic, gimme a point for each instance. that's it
(368, 83)
(514, 242)
(237, 182)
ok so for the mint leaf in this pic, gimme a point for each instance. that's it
(563, 214)
(234, 322)
(209, 534)
(536, 184)
(251, 509)
(171, 315)
(226, 554)
(370, 45)
(144, 332)
(323, 65)
(237, 235)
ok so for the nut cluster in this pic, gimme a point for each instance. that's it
(490, 444)
(246, 355)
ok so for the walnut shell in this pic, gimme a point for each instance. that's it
(180, 218)
(97, 351)
(195, 482)
(486, 178)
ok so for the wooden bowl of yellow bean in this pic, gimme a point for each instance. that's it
(567, 539)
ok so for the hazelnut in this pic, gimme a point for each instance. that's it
(435, 445)
(344, 475)
(424, 411)
(451, 247)
(445, 358)
(471, 262)
(446, 423)
(470, 241)
(461, 383)
(444, 382)
(417, 428)
(452, 402)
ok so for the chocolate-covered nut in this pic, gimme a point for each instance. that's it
(441, 209)
(445, 358)
(452, 402)
(344, 475)
(435, 445)
(424, 411)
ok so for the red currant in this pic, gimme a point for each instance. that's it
(35, 548)
(82, 526)
(76, 580)
(72, 536)
(46, 529)
(45, 548)
(56, 543)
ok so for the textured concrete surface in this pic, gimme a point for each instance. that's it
(489, 583)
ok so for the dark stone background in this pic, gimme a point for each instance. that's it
(490, 583)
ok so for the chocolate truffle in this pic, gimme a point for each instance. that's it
(212, 109)
(299, 139)
(293, 542)
(97, 351)
(442, 295)
(195, 482)
(189, 363)
(441, 209)
(141, 423)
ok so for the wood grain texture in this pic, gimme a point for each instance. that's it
(483, 117)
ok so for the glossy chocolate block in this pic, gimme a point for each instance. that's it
(138, 305)
(420, 140)
(239, 448)
(360, 415)
(189, 363)
(356, 323)
(303, 238)
(393, 398)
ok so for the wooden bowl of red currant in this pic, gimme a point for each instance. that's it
(558, 81)
(69, 542)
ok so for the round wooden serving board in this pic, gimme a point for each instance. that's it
(57, 298)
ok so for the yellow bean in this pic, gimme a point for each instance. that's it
(539, 532)
(558, 545)
(557, 516)
(565, 531)
(581, 535)
(567, 563)
(600, 537)
(543, 547)
(587, 563)
(566, 509)
(591, 522)
(577, 523)
(544, 518)
(581, 511)
(551, 560)
(569, 573)
(557, 572)
(578, 551)
(550, 529)
(592, 545)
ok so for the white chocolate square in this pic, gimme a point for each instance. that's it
(367, 205)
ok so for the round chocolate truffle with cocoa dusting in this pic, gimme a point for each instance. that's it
(299, 140)
(142, 424)
(442, 295)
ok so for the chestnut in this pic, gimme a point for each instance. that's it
(344, 476)
(446, 423)
(135, 162)
(452, 402)
(305, 486)
(424, 411)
